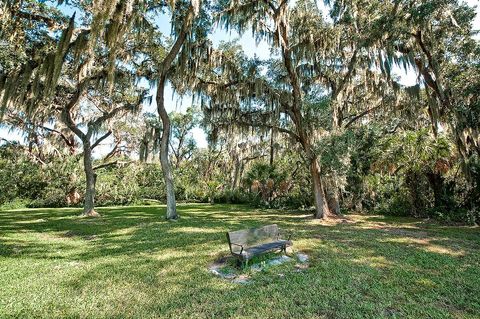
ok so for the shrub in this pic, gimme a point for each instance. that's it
(16, 203)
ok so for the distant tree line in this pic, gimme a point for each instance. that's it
(325, 122)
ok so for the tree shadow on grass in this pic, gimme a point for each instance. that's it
(367, 265)
(367, 275)
(136, 230)
(122, 230)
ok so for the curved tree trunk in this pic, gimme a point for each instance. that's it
(89, 203)
(164, 161)
(166, 65)
(321, 205)
(90, 178)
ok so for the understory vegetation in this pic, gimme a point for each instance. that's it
(353, 106)
(404, 174)
(133, 263)
(135, 133)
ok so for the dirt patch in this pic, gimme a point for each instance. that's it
(72, 234)
(69, 234)
(226, 267)
(333, 220)
(405, 232)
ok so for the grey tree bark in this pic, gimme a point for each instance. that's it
(89, 201)
(89, 204)
(164, 70)
(332, 195)
(321, 205)
(164, 161)
(236, 172)
(272, 144)
(88, 146)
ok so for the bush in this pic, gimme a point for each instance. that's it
(16, 203)
(230, 196)
(117, 185)
(50, 197)
(150, 182)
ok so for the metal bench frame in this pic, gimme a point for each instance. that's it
(247, 243)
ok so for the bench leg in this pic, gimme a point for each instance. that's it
(243, 263)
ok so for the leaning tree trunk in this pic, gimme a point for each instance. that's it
(166, 65)
(89, 204)
(321, 204)
(166, 168)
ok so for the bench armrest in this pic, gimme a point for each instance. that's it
(241, 246)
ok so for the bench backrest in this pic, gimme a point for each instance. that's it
(252, 236)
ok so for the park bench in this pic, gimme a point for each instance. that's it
(248, 243)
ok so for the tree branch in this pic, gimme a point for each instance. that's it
(112, 152)
(108, 115)
(104, 136)
(351, 65)
(105, 165)
(220, 85)
(358, 116)
(262, 125)
(70, 142)
(51, 23)
(167, 62)
(67, 115)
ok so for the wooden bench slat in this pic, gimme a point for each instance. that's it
(253, 235)
(260, 249)
(247, 243)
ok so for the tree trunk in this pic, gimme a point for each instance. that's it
(240, 174)
(296, 114)
(143, 150)
(437, 184)
(89, 203)
(236, 173)
(321, 206)
(331, 193)
(272, 146)
(164, 161)
(166, 65)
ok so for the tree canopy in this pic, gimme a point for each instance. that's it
(327, 111)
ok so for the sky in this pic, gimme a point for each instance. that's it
(251, 49)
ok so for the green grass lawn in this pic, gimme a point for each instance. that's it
(132, 263)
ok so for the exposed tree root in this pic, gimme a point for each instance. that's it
(91, 213)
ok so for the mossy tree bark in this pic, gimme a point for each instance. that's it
(321, 204)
